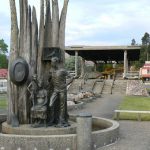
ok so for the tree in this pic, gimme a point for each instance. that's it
(3, 47)
(133, 42)
(3, 61)
(146, 39)
(146, 45)
(144, 52)
(3, 57)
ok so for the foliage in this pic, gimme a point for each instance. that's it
(144, 52)
(3, 57)
(143, 56)
(135, 103)
(133, 42)
(70, 63)
(3, 47)
(3, 61)
(146, 39)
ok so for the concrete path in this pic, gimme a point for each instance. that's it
(102, 107)
(134, 135)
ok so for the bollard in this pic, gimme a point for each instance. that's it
(84, 131)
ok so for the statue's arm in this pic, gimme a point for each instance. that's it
(70, 81)
(71, 78)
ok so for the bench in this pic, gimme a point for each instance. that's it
(117, 113)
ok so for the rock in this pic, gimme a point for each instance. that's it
(69, 103)
(136, 87)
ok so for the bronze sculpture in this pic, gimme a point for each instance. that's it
(32, 43)
(32, 88)
(58, 99)
(39, 102)
(50, 105)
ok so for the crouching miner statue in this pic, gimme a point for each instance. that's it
(39, 103)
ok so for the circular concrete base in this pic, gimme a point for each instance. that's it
(28, 130)
(105, 132)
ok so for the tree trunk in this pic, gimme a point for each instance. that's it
(34, 51)
(24, 53)
(48, 26)
(62, 30)
(29, 35)
(55, 23)
(41, 41)
(12, 89)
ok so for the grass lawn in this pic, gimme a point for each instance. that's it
(3, 102)
(135, 103)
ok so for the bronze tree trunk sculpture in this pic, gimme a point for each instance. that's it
(27, 42)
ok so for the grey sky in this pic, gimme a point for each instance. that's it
(95, 22)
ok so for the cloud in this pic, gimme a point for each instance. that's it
(95, 22)
(108, 21)
(5, 28)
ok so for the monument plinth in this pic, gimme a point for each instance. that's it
(26, 129)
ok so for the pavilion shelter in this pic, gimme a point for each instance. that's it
(105, 54)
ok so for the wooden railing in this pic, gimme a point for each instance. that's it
(117, 113)
(132, 75)
(102, 87)
(112, 85)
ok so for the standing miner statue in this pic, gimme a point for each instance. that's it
(58, 99)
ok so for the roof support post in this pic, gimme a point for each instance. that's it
(125, 64)
(82, 67)
(95, 66)
(76, 63)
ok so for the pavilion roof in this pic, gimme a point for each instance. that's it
(105, 53)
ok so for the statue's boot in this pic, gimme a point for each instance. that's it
(38, 124)
(62, 123)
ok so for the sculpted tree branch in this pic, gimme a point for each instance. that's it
(12, 89)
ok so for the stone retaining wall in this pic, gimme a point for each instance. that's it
(136, 87)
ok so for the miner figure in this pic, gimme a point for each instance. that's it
(58, 98)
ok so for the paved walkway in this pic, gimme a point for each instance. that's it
(102, 107)
(134, 135)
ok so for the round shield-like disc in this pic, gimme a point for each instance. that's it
(19, 71)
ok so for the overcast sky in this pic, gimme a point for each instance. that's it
(95, 22)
